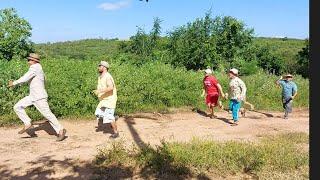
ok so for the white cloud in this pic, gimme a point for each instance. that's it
(114, 6)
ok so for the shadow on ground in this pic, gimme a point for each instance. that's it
(160, 164)
(46, 167)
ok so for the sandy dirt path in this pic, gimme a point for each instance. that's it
(23, 157)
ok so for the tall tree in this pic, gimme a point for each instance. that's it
(208, 42)
(14, 34)
(232, 36)
(155, 32)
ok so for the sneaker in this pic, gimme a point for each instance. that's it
(114, 135)
(234, 123)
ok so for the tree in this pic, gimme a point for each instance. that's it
(193, 45)
(269, 60)
(232, 36)
(303, 60)
(209, 42)
(155, 32)
(14, 34)
(143, 44)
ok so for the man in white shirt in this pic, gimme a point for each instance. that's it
(37, 97)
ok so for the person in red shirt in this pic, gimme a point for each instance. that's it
(212, 89)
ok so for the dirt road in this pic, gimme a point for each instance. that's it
(41, 157)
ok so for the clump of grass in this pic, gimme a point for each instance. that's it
(274, 156)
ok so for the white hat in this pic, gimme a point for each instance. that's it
(234, 71)
(104, 63)
(208, 71)
(288, 75)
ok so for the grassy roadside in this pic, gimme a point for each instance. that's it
(274, 157)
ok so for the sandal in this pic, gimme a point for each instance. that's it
(115, 135)
(62, 136)
(25, 129)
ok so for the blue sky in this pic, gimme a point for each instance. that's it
(63, 20)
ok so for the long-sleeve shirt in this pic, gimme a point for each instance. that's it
(35, 76)
(237, 89)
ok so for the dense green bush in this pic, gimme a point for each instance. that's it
(153, 86)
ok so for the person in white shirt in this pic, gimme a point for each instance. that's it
(37, 97)
(237, 89)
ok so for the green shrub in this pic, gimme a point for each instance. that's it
(153, 86)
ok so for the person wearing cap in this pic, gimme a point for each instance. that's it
(107, 95)
(37, 97)
(213, 90)
(289, 92)
(237, 90)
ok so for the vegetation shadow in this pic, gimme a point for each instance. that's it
(160, 164)
(46, 166)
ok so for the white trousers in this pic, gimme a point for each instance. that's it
(42, 106)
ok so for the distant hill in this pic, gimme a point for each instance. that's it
(287, 48)
(80, 49)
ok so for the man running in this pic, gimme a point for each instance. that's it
(107, 94)
(289, 92)
(37, 97)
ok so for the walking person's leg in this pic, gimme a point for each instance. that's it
(109, 118)
(99, 113)
(235, 111)
(114, 127)
(230, 105)
(209, 105)
(212, 112)
(43, 107)
(214, 103)
(208, 110)
(19, 109)
(288, 109)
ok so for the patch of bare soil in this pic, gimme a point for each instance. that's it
(41, 157)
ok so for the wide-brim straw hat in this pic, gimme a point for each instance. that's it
(288, 75)
(34, 57)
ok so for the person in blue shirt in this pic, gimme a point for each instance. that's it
(289, 92)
